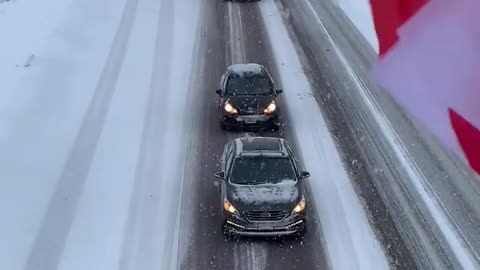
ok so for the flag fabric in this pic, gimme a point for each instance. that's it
(430, 63)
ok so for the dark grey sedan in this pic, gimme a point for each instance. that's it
(262, 188)
(247, 98)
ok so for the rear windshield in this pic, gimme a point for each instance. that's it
(248, 84)
(262, 170)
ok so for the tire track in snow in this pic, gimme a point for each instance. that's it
(249, 256)
(246, 255)
(349, 239)
(138, 245)
(235, 52)
(49, 243)
(154, 214)
(190, 146)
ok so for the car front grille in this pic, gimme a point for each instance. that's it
(250, 111)
(260, 215)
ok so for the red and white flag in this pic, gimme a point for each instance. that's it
(430, 62)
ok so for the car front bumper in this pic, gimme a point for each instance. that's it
(256, 120)
(289, 226)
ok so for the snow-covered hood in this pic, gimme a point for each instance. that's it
(265, 197)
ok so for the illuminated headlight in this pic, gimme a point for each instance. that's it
(229, 207)
(270, 108)
(300, 207)
(229, 108)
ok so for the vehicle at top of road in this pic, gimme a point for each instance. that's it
(262, 188)
(247, 98)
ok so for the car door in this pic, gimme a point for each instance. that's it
(296, 162)
(297, 166)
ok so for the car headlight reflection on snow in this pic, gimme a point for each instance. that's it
(229, 108)
(270, 108)
(229, 207)
(300, 207)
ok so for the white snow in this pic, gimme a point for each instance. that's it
(360, 14)
(266, 193)
(153, 68)
(26, 28)
(349, 239)
(78, 54)
(42, 106)
(96, 236)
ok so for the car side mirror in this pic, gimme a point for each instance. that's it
(304, 175)
(219, 92)
(220, 175)
(278, 91)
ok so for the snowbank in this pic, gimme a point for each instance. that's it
(360, 14)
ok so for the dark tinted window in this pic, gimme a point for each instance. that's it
(248, 84)
(261, 170)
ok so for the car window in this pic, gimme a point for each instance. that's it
(224, 156)
(222, 81)
(295, 163)
(228, 159)
(294, 159)
(262, 170)
(248, 84)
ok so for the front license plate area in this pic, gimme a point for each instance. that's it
(265, 227)
(247, 120)
(250, 120)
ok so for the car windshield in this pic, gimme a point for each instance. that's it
(248, 85)
(262, 170)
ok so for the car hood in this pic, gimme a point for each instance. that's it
(264, 197)
(250, 104)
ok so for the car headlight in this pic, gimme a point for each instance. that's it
(229, 108)
(270, 108)
(229, 207)
(300, 207)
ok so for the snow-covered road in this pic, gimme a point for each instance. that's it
(349, 239)
(110, 138)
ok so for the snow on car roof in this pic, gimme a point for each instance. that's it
(242, 68)
(260, 144)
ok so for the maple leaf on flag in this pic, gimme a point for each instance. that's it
(430, 63)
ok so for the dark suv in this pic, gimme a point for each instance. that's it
(262, 188)
(247, 97)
